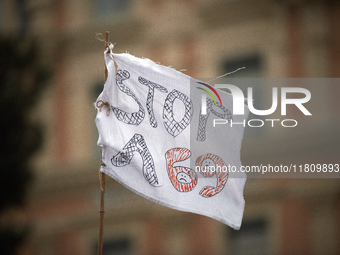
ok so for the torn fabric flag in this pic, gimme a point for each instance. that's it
(161, 136)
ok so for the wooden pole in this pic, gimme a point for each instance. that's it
(102, 181)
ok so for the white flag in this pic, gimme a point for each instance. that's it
(168, 137)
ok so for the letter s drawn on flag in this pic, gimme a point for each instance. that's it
(123, 158)
(134, 118)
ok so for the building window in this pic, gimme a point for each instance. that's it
(249, 77)
(251, 239)
(252, 63)
(111, 8)
(119, 246)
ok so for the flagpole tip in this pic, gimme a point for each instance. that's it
(107, 38)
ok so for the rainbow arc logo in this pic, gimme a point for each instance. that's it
(204, 96)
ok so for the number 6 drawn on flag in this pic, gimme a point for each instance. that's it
(182, 178)
(220, 169)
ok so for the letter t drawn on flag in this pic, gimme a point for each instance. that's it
(156, 141)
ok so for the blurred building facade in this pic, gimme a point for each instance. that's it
(272, 39)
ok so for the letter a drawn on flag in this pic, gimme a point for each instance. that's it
(158, 141)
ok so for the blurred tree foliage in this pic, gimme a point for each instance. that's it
(22, 79)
